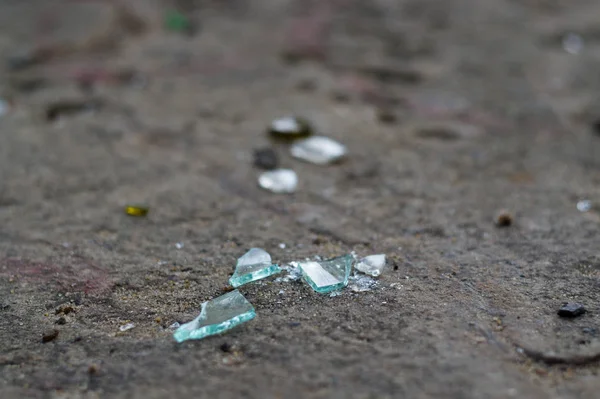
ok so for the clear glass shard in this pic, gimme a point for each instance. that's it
(253, 265)
(279, 181)
(372, 265)
(327, 275)
(217, 315)
(361, 283)
(319, 150)
(293, 273)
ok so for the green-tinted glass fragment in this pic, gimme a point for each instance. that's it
(254, 265)
(328, 275)
(177, 22)
(217, 315)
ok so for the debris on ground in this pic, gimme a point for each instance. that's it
(584, 205)
(136, 210)
(175, 21)
(571, 310)
(293, 273)
(179, 245)
(279, 181)
(4, 107)
(69, 107)
(503, 218)
(327, 275)
(253, 265)
(49, 335)
(372, 265)
(361, 283)
(290, 128)
(126, 327)
(217, 315)
(319, 150)
(266, 158)
(572, 43)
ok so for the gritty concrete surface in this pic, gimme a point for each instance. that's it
(451, 111)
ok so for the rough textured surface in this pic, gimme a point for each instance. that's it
(486, 112)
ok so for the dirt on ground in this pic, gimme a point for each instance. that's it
(452, 111)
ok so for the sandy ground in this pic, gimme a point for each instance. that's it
(451, 111)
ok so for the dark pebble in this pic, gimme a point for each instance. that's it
(49, 335)
(61, 321)
(571, 310)
(294, 324)
(226, 347)
(596, 126)
(266, 158)
(386, 116)
(503, 219)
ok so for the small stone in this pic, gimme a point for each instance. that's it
(584, 206)
(307, 85)
(266, 158)
(179, 245)
(126, 327)
(93, 369)
(386, 116)
(136, 210)
(49, 335)
(372, 265)
(61, 321)
(503, 219)
(64, 310)
(572, 43)
(217, 315)
(279, 181)
(290, 128)
(282, 245)
(319, 150)
(4, 107)
(24, 58)
(253, 265)
(571, 310)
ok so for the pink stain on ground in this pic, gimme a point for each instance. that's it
(74, 275)
(308, 35)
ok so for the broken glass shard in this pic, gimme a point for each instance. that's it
(279, 181)
(254, 265)
(360, 283)
(319, 150)
(293, 273)
(217, 315)
(290, 128)
(126, 327)
(372, 265)
(327, 275)
(572, 43)
(584, 206)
